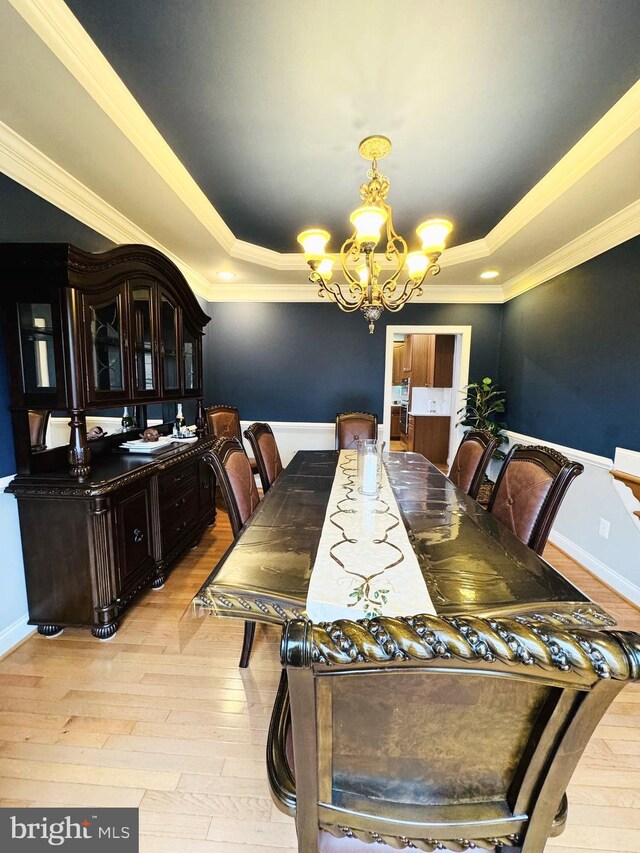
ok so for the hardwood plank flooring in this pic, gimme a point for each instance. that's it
(160, 717)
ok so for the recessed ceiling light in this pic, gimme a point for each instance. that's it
(489, 274)
(226, 276)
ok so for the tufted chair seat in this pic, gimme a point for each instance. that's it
(529, 491)
(352, 426)
(471, 460)
(265, 449)
(240, 494)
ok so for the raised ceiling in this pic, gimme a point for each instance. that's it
(260, 107)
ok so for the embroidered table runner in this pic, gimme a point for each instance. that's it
(365, 565)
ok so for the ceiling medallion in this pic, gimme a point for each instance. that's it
(362, 288)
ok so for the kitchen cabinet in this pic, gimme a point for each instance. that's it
(429, 435)
(431, 360)
(406, 355)
(422, 359)
(395, 422)
(398, 353)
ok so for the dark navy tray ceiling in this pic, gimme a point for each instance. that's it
(265, 102)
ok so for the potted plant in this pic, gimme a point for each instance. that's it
(484, 401)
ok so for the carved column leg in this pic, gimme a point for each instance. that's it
(201, 424)
(79, 453)
(106, 603)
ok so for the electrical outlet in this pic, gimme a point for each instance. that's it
(603, 530)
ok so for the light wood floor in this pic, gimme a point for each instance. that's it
(161, 717)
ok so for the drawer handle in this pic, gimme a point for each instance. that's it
(181, 502)
(179, 477)
(138, 535)
(181, 526)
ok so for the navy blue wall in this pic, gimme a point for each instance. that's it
(307, 361)
(570, 355)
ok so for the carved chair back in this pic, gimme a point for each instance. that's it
(224, 421)
(352, 426)
(529, 491)
(435, 733)
(470, 462)
(265, 449)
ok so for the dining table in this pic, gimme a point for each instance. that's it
(470, 562)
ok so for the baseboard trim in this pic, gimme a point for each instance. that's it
(620, 585)
(15, 634)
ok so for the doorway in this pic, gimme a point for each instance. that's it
(448, 405)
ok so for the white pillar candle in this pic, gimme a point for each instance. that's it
(370, 474)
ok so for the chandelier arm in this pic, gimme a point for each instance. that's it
(396, 245)
(350, 249)
(334, 291)
(409, 289)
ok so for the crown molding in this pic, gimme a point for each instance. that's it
(58, 28)
(63, 34)
(618, 228)
(24, 163)
(605, 136)
(254, 254)
(286, 261)
(308, 293)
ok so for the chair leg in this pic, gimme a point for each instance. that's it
(247, 643)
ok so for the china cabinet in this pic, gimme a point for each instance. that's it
(90, 332)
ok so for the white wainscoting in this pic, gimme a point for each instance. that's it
(593, 496)
(293, 436)
(13, 601)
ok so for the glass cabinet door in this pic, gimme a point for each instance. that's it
(35, 323)
(190, 359)
(107, 376)
(169, 346)
(144, 355)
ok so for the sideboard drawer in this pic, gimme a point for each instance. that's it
(172, 483)
(179, 517)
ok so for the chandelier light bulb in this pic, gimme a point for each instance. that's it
(368, 221)
(417, 263)
(314, 242)
(325, 267)
(363, 272)
(434, 233)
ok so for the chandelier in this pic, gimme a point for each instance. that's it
(363, 288)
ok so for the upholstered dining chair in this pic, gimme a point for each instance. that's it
(240, 494)
(225, 421)
(437, 734)
(265, 449)
(529, 491)
(471, 460)
(352, 426)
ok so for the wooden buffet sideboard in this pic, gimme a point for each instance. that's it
(87, 332)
